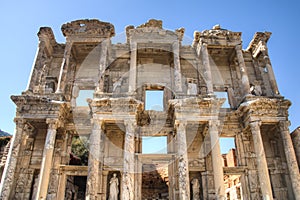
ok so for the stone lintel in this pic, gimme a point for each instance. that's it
(74, 170)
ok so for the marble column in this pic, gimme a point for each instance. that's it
(11, 163)
(207, 69)
(44, 177)
(262, 165)
(270, 71)
(64, 68)
(183, 164)
(290, 157)
(34, 74)
(133, 67)
(213, 130)
(128, 174)
(177, 67)
(243, 70)
(93, 179)
(102, 64)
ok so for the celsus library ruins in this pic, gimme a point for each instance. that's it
(142, 119)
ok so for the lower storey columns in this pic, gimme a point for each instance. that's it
(11, 163)
(46, 165)
(262, 166)
(290, 157)
(93, 180)
(183, 165)
(216, 159)
(128, 168)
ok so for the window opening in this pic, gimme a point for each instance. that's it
(154, 100)
(154, 145)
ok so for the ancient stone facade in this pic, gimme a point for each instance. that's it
(115, 120)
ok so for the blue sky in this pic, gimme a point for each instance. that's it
(21, 21)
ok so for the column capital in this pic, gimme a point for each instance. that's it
(255, 125)
(133, 46)
(20, 122)
(180, 123)
(284, 125)
(53, 123)
(238, 47)
(213, 124)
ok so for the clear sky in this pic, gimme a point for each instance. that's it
(21, 21)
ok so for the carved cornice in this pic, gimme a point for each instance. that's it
(203, 106)
(260, 107)
(92, 27)
(219, 36)
(115, 105)
(151, 23)
(258, 43)
(40, 107)
(46, 33)
(153, 26)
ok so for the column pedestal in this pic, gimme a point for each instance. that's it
(262, 165)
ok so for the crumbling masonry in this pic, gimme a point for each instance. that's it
(114, 120)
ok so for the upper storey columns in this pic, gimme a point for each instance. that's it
(177, 68)
(207, 68)
(64, 68)
(133, 67)
(243, 70)
(258, 46)
(270, 71)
